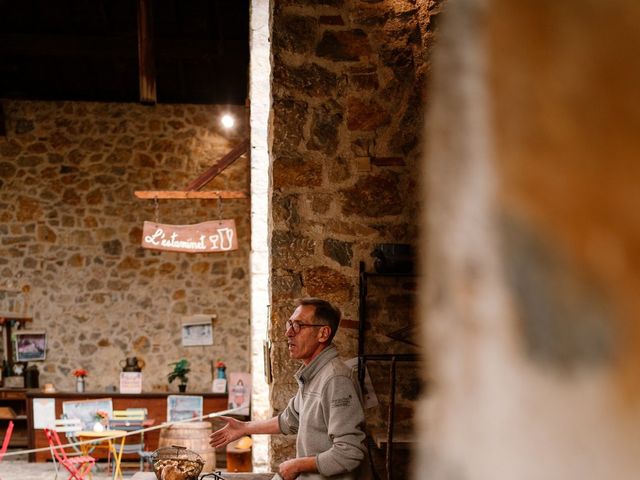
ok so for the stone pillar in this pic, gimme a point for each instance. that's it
(347, 86)
(260, 95)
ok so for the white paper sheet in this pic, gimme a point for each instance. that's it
(44, 412)
(370, 398)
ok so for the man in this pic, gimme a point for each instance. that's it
(326, 412)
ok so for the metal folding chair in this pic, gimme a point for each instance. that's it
(5, 442)
(69, 426)
(78, 467)
(132, 419)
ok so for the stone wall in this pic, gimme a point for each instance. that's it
(70, 229)
(348, 80)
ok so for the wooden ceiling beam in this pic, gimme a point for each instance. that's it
(3, 128)
(66, 45)
(121, 46)
(223, 163)
(146, 56)
(191, 189)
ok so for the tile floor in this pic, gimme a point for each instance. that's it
(21, 470)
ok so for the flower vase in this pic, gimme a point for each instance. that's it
(80, 385)
(182, 387)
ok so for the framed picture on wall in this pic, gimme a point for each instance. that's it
(240, 392)
(197, 330)
(30, 345)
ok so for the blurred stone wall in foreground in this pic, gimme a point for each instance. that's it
(532, 269)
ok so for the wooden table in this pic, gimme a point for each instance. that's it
(109, 436)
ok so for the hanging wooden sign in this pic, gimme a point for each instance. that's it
(206, 237)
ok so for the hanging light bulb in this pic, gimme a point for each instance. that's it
(228, 120)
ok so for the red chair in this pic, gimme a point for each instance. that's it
(5, 442)
(78, 467)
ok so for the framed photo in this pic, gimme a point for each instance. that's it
(130, 382)
(183, 407)
(219, 385)
(197, 330)
(240, 392)
(86, 410)
(30, 345)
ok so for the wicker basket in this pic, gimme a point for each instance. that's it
(176, 463)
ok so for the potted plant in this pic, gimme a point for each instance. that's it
(180, 370)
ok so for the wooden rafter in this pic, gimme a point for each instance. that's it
(191, 190)
(146, 57)
(3, 130)
(68, 46)
(223, 163)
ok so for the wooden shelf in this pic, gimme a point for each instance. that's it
(19, 440)
(7, 413)
(400, 438)
(177, 194)
(392, 437)
(390, 274)
(6, 315)
(13, 403)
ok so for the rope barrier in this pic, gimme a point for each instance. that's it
(127, 434)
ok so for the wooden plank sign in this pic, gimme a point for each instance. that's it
(206, 237)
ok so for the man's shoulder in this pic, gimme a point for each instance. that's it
(334, 368)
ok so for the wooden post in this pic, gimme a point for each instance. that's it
(3, 130)
(146, 57)
(391, 418)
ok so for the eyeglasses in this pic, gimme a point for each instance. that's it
(297, 326)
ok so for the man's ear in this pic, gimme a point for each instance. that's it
(324, 334)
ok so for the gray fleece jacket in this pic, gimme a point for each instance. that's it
(327, 416)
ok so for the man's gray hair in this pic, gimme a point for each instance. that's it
(325, 312)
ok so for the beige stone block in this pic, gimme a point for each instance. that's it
(363, 164)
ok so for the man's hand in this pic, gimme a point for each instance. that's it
(290, 469)
(233, 430)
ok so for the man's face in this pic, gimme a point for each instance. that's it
(309, 341)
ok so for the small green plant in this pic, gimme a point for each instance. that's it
(180, 370)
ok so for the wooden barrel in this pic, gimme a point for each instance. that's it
(194, 436)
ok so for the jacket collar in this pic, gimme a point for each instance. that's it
(306, 372)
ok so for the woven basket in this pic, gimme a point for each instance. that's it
(176, 463)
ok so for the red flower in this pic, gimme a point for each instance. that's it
(220, 364)
(79, 372)
(102, 415)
